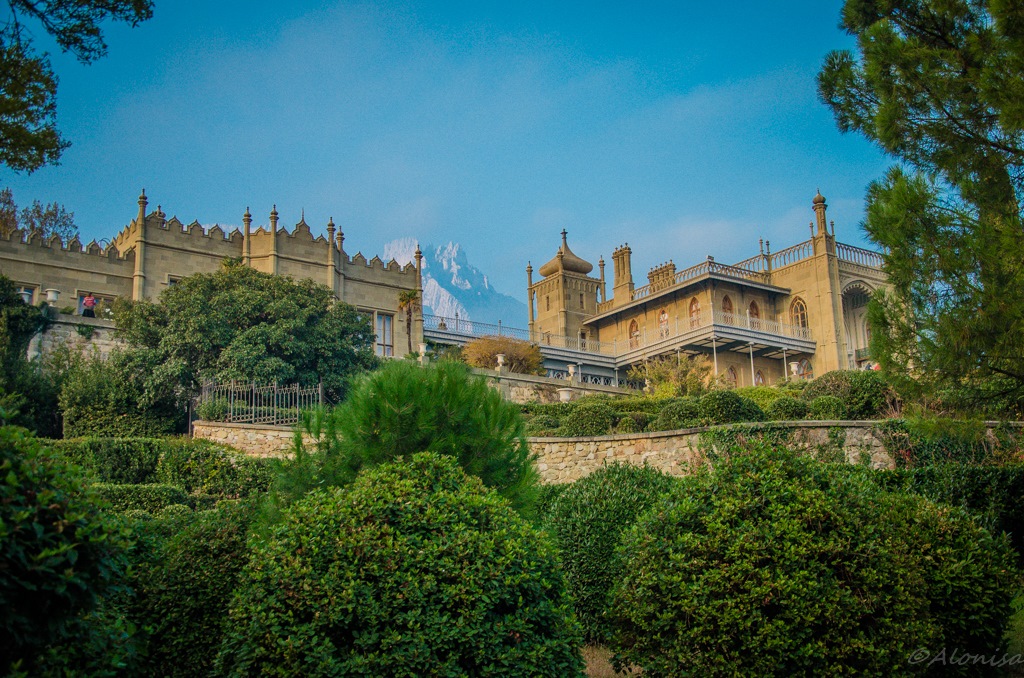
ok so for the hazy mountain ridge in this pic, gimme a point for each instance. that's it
(452, 285)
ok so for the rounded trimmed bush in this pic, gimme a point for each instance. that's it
(588, 520)
(762, 395)
(727, 407)
(826, 408)
(592, 418)
(413, 570)
(773, 564)
(59, 550)
(543, 425)
(678, 413)
(633, 422)
(864, 392)
(786, 408)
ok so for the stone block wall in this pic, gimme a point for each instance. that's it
(253, 439)
(563, 460)
(76, 332)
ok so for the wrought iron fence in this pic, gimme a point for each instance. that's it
(251, 403)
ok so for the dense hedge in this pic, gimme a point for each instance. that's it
(762, 396)
(588, 520)
(678, 413)
(772, 564)
(864, 393)
(594, 418)
(59, 551)
(993, 494)
(633, 422)
(416, 569)
(727, 407)
(183, 589)
(827, 408)
(786, 408)
(151, 498)
(196, 466)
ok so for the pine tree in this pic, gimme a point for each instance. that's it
(939, 86)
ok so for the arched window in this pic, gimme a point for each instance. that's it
(663, 324)
(798, 313)
(759, 378)
(755, 315)
(727, 310)
(547, 302)
(694, 313)
(732, 377)
(634, 334)
(805, 371)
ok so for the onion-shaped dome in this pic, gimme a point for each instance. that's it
(567, 261)
(819, 199)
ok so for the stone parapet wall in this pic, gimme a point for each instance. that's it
(76, 332)
(563, 460)
(254, 439)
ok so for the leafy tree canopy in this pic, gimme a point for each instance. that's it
(239, 323)
(29, 137)
(45, 219)
(938, 85)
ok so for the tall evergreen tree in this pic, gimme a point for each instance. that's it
(939, 86)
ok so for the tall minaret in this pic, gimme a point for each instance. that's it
(273, 240)
(819, 210)
(139, 275)
(331, 258)
(247, 237)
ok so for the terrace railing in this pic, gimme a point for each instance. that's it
(703, 268)
(858, 255)
(251, 403)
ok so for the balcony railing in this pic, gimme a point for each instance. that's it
(791, 255)
(466, 329)
(703, 268)
(858, 255)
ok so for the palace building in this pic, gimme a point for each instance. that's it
(154, 252)
(796, 312)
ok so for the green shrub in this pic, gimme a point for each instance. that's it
(198, 467)
(557, 410)
(863, 392)
(414, 570)
(201, 467)
(59, 551)
(676, 414)
(183, 589)
(761, 395)
(106, 398)
(727, 407)
(633, 422)
(593, 418)
(994, 495)
(772, 564)
(786, 408)
(126, 461)
(826, 408)
(543, 425)
(588, 520)
(214, 409)
(651, 406)
(402, 409)
(152, 498)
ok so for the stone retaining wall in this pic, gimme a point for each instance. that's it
(76, 332)
(254, 439)
(562, 460)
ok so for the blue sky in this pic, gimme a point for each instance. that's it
(685, 129)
